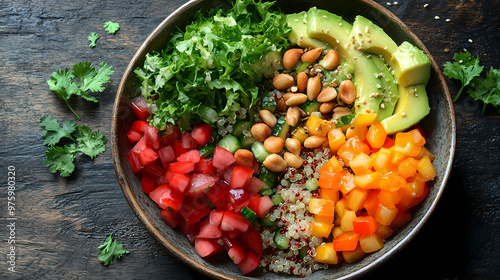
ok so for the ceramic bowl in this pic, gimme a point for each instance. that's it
(439, 126)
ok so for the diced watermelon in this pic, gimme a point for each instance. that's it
(218, 195)
(152, 169)
(171, 199)
(254, 242)
(222, 159)
(249, 263)
(148, 184)
(181, 167)
(200, 183)
(171, 134)
(208, 230)
(178, 149)
(234, 221)
(254, 186)
(237, 253)
(140, 108)
(152, 138)
(261, 205)
(188, 141)
(171, 217)
(192, 156)
(204, 166)
(179, 181)
(201, 133)
(206, 247)
(240, 177)
(194, 209)
(238, 198)
(167, 155)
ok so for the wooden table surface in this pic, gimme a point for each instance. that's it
(61, 221)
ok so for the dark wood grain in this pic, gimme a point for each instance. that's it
(62, 221)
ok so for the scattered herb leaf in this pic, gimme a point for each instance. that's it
(487, 90)
(55, 132)
(93, 38)
(63, 83)
(111, 27)
(464, 69)
(110, 249)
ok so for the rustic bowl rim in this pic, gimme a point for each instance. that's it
(207, 270)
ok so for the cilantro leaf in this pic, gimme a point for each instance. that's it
(61, 159)
(110, 249)
(65, 83)
(93, 38)
(111, 27)
(90, 142)
(54, 132)
(488, 89)
(464, 69)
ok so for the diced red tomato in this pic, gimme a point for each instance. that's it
(240, 177)
(154, 170)
(218, 195)
(261, 205)
(167, 155)
(165, 197)
(135, 165)
(230, 242)
(200, 183)
(364, 225)
(204, 166)
(208, 230)
(206, 247)
(171, 217)
(188, 141)
(171, 134)
(181, 167)
(346, 241)
(222, 159)
(234, 221)
(152, 138)
(179, 181)
(254, 186)
(249, 264)
(194, 209)
(134, 136)
(146, 156)
(192, 156)
(237, 253)
(254, 241)
(139, 127)
(201, 133)
(238, 198)
(157, 193)
(216, 217)
(148, 184)
(178, 149)
(140, 108)
(189, 230)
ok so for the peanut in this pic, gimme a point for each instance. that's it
(296, 99)
(327, 95)
(312, 142)
(274, 144)
(293, 160)
(331, 60)
(291, 57)
(327, 107)
(268, 118)
(244, 158)
(347, 91)
(312, 55)
(282, 81)
(313, 87)
(293, 146)
(301, 81)
(260, 131)
(292, 115)
(275, 163)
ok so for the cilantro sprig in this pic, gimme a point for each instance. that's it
(111, 27)
(110, 249)
(467, 70)
(82, 78)
(93, 38)
(60, 158)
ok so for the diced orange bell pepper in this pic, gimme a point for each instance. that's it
(321, 207)
(376, 135)
(329, 194)
(417, 137)
(326, 254)
(389, 199)
(336, 139)
(359, 131)
(351, 148)
(320, 229)
(405, 143)
(360, 163)
(392, 182)
(356, 198)
(365, 225)
(347, 182)
(371, 203)
(330, 180)
(364, 119)
(323, 219)
(346, 241)
(382, 161)
(332, 165)
(316, 126)
(408, 167)
(370, 180)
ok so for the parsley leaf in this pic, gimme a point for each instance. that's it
(487, 90)
(465, 68)
(110, 249)
(93, 38)
(54, 132)
(111, 27)
(60, 158)
(65, 82)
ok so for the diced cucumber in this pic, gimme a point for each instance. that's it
(230, 143)
(207, 151)
(281, 128)
(345, 120)
(268, 178)
(311, 185)
(303, 252)
(281, 241)
(239, 126)
(266, 221)
(248, 214)
(302, 67)
(266, 192)
(311, 106)
(247, 142)
(259, 152)
(277, 199)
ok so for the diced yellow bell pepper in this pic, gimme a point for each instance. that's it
(326, 254)
(316, 126)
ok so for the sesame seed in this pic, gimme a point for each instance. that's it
(436, 17)
(403, 114)
(448, 20)
(426, 5)
(470, 40)
(388, 4)
(395, 3)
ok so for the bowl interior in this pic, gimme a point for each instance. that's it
(439, 126)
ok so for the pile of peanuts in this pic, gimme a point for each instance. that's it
(306, 85)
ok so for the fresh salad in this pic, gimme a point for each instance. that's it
(288, 142)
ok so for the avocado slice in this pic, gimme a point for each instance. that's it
(368, 85)
(371, 38)
(389, 89)
(411, 66)
(298, 35)
(412, 106)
